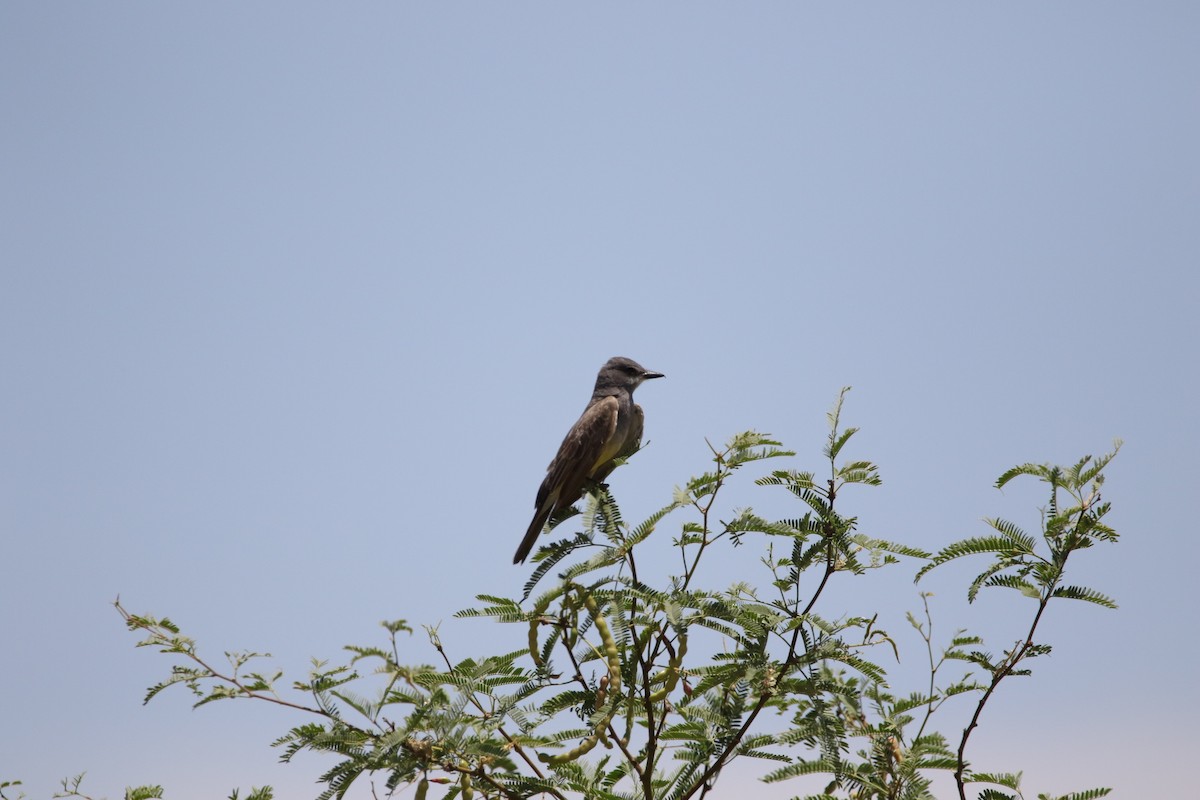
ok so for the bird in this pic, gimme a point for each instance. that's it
(609, 429)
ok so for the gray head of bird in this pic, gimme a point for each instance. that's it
(623, 373)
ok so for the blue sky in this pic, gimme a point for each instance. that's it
(297, 301)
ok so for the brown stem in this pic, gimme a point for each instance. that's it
(1016, 656)
(933, 668)
(232, 680)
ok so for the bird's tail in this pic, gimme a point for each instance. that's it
(535, 530)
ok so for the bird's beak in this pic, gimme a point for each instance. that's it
(648, 375)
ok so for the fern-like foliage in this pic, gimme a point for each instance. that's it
(1072, 520)
(627, 682)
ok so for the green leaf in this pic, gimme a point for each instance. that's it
(837, 443)
(1084, 593)
(1000, 545)
(256, 793)
(1021, 541)
(788, 477)
(1011, 780)
(549, 555)
(144, 793)
(1089, 794)
(1083, 477)
(1013, 582)
(751, 446)
(1041, 471)
(995, 794)
(804, 767)
(863, 472)
(871, 543)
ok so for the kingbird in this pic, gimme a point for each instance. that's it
(610, 428)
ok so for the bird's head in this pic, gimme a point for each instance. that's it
(623, 373)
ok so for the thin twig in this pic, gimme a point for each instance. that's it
(1014, 658)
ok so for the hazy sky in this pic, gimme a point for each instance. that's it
(298, 299)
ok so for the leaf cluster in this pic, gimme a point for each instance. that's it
(627, 682)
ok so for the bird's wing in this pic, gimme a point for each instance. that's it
(580, 451)
(633, 440)
(577, 457)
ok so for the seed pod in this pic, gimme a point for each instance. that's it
(670, 675)
(535, 651)
(613, 686)
(897, 753)
(535, 619)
